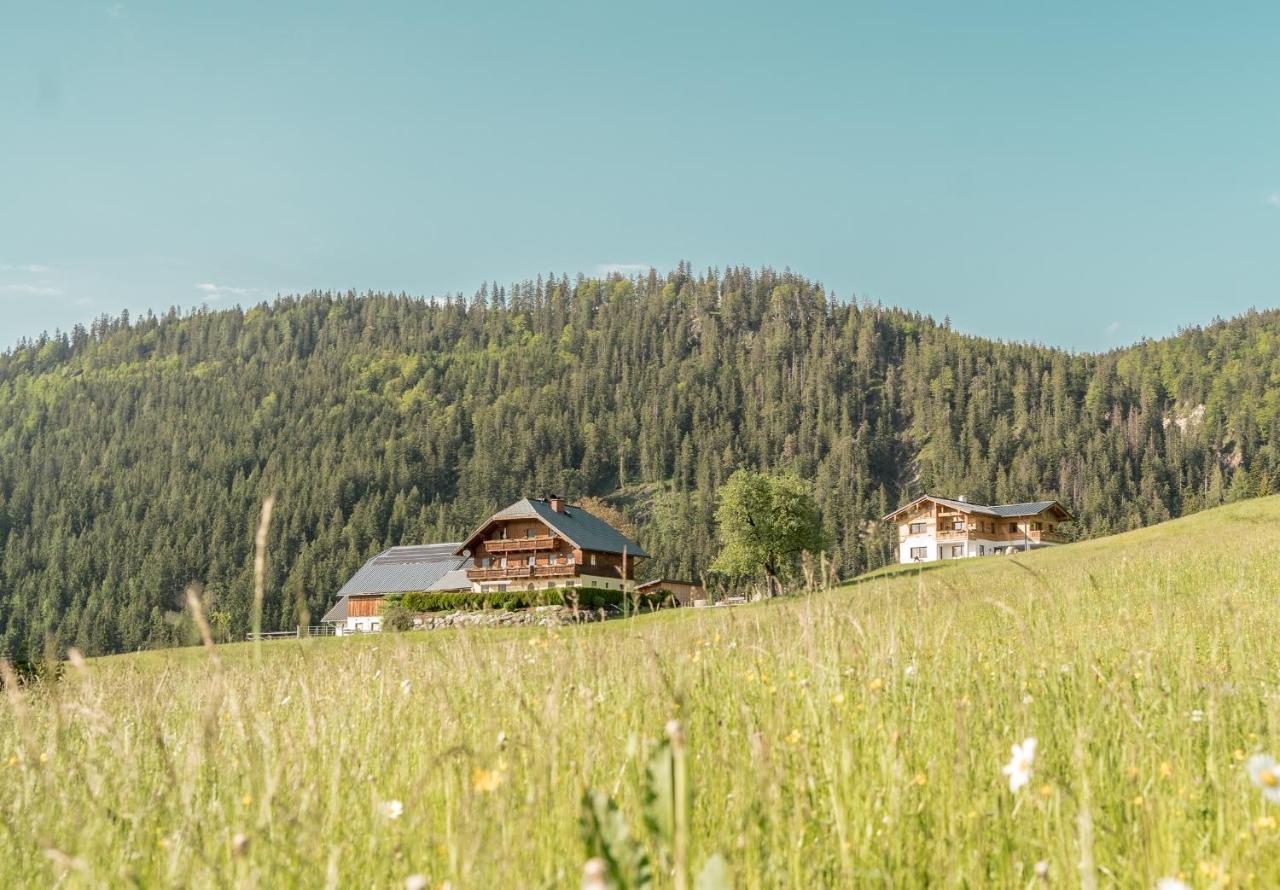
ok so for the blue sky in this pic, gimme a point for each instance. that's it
(1078, 174)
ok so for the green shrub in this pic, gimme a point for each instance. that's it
(584, 597)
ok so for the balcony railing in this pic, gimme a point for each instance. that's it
(515, 573)
(509, 545)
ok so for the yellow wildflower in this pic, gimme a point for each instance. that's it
(921, 779)
(794, 737)
(486, 780)
(1166, 769)
(876, 685)
(1139, 801)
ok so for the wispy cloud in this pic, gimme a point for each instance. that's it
(115, 10)
(39, 289)
(627, 269)
(1274, 199)
(1113, 327)
(213, 291)
(31, 268)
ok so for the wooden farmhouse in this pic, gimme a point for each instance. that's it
(534, 544)
(682, 592)
(544, 543)
(429, 567)
(931, 528)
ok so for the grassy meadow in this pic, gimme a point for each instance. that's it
(852, 738)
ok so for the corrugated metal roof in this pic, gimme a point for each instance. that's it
(402, 569)
(338, 613)
(586, 531)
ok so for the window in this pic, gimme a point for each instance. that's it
(1013, 527)
(593, 559)
(1035, 526)
(504, 562)
(533, 560)
(957, 551)
(502, 533)
(918, 553)
(982, 550)
(528, 532)
(484, 563)
(957, 525)
(917, 528)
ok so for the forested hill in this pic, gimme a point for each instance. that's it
(134, 455)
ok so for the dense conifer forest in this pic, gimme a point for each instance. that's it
(134, 454)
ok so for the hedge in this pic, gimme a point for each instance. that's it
(585, 597)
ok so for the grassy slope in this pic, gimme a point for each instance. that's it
(1145, 664)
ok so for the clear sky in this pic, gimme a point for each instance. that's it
(1078, 174)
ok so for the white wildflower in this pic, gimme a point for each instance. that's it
(1265, 773)
(1018, 769)
(909, 672)
(1172, 884)
(392, 809)
(405, 687)
(416, 882)
(1197, 715)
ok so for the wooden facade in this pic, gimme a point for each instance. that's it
(932, 528)
(528, 552)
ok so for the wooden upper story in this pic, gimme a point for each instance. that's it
(548, 539)
(953, 521)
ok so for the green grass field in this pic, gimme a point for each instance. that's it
(853, 738)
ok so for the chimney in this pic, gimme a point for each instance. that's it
(556, 503)
(964, 499)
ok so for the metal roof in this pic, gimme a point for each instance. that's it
(580, 528)
(402, 569)
(1003, 511)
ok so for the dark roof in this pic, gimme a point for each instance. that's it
(657, 581)
(1003, 511)
(582, 529)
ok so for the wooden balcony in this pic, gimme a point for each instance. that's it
(513, 545)
(953, 534)
(521, 573)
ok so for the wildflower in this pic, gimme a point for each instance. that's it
(1166, 769)
(1238, 754)
(921, 779)
(486, 780)
(794, 737)
(838, 699)
(1131, 772)
(416, 882)
(1172, 884)
(246, 800)
(1197, 715)
(910, 672)
(1027, 699)
(1046, 790)
(284, 701)
(876, 685)
(1265, 773)
(391, 809)
(1265, 823)
(595, 875)
(13, 760)
(1018, 769)
(44, 757)
(404, 687)
(239, 844)
(1139, 801)
(502, 739)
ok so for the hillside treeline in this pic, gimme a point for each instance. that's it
(134, 454)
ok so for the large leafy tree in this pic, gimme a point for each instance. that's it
(765, 523)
